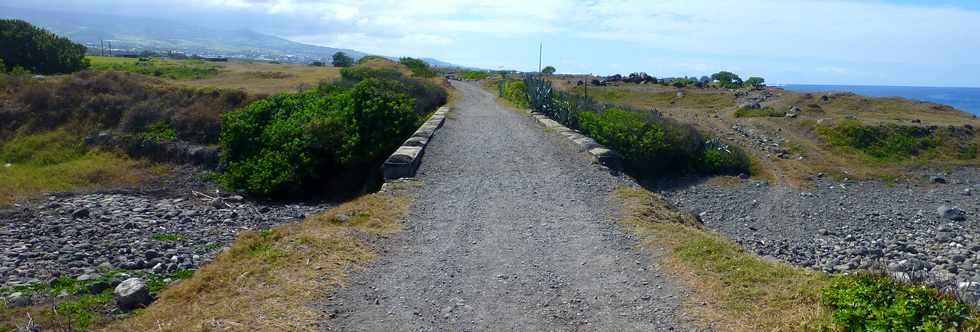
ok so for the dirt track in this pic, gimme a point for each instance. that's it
(512, 229)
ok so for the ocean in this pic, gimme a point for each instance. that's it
(964, 99)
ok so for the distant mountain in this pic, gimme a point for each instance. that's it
(137, 34)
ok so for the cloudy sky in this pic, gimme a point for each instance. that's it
(907, 42)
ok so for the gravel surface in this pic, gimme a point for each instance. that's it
(848, 226)
(512, 229)
(151, 230)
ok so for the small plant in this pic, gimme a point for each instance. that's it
(167, 237)
(159, 132)
(877, 303)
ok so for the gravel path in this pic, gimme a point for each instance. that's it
(512, 229)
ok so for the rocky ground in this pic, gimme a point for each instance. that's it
(158, 231)
(927, 229)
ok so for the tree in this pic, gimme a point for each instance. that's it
(38, 50)
(755, 82)
(548, 70)
(727, 80)
(342, 60)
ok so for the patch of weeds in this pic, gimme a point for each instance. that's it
(157, 282)
(884, 142)
(84, 310)
(866, 302)
(159, 132)
(167, 237)
(748, 112)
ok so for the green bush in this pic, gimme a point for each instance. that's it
(419, 67)
(878, 303)
(340, 59)
(884, 142)
(37, 50)
(718, 159)
(513, 91)
(291, 143)
(427, 95)
(651, 145)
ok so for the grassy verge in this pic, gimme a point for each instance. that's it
(268, 279)
(57, 161)
(739, 291)
(735, 290)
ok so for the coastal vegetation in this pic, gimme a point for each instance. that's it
(651, 144)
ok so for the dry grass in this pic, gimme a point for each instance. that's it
(264, 78)
(268, 279)
(732, 290)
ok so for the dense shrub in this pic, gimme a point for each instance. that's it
(513, 91)
(649, 143)
(419, 67)
(296, 142)
(878, 303)
(38, 50)
(427, 95)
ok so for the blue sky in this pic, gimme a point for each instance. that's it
(896, 42)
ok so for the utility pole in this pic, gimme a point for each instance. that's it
(540, 51)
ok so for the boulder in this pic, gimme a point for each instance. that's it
(18, 299)
(80, 213)
(132, 293)
(951, 213)
(937, 179)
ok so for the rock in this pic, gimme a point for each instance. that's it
(235, 198)
(951, 213)
(80, 213)
(743, 176)
(341, 218)
(219, 203)
(132, 294)
(967, 192)
(98, 286)
(18, 299)
(937, 179)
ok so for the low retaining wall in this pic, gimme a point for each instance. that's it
(406, 160)
(600, 154)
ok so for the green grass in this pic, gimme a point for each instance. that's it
(167, 237)
(894, 142)
(474, 74)
(748, 112)
(172, 69)
(73, 305)
(57, 161)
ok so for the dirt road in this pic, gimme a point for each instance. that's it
(512, 229)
